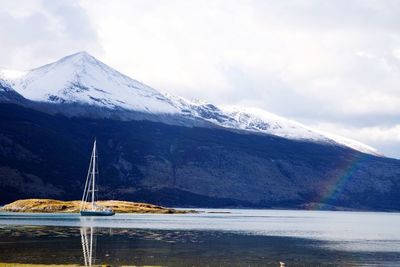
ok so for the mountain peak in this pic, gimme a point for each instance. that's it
(77, 60)
(81, 78)
(82, 54)
(79, 54)
(80, 57)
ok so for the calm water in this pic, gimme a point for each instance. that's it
(212, 238)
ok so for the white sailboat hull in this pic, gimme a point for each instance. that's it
(97, 213)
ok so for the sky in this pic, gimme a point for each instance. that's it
(333, 65)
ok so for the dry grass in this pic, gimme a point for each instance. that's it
(52, 205)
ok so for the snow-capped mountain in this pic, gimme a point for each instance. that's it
(261, 121)
(81, 78)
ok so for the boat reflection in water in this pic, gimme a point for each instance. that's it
(89, 240)
(238, 238)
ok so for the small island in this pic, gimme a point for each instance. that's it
(53, 206)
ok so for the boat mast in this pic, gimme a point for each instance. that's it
(88, 182)
(93, 172)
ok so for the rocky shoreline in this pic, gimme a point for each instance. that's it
(53, 206)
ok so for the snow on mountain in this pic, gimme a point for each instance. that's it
(258, 120)
(8, 94)
(81, 78)
(6, 79)
(10, 75)
(261, 121)
(4, 85)
(202, 110)
(356, 145)
(84, 79)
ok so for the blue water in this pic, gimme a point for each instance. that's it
(372, 235)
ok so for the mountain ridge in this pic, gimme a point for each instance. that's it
(81, 79)
(46, 155)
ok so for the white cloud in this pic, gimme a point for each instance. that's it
(396, 53)
(39, 31)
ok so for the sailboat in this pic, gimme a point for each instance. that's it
(88, 204)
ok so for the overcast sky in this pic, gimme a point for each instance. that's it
(333, 65)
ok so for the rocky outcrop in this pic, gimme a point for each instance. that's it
(51, 206)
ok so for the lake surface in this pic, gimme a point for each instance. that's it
(211, 238)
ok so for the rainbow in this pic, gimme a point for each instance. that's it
(338, 181)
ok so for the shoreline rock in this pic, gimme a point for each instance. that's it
(55, 206)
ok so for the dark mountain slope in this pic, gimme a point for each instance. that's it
(43, 155)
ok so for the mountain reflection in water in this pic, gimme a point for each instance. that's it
(90, 246)
(239, 238)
